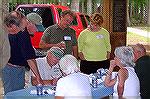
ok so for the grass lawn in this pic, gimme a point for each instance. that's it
(144, 28)
(133, 38)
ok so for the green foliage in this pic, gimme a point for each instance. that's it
(14, 3)
(138, 9)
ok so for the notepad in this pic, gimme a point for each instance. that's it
(45, 91)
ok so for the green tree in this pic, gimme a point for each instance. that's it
(138, 10)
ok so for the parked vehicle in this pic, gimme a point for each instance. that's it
(80, 22)
(50, 15)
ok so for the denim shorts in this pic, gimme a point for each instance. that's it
(13, 78)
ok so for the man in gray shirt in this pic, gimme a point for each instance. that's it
(61, 35)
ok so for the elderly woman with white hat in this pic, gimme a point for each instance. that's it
(74, 85)
(126, 82)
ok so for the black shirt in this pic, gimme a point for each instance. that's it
(142, 69)
(21, 48)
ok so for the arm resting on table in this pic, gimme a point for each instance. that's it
(46, 82)
(59, 97)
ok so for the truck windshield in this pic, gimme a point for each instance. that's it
(44, 12)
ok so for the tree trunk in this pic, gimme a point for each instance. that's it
(128, 11)
(4, 9)
(89, 7)
(141, 13)
(4, 54)
(81, 6)
(149, 14)
(75, 5)
(64, 2)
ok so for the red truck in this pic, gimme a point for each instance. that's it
(82, 21)
(50, 15)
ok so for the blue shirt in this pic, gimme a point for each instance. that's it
(21, 48)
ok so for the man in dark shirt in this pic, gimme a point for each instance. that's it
(57, 34)
(22, 53)
(142, 69)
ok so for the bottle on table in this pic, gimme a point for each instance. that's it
(94, 81)
(39, 89)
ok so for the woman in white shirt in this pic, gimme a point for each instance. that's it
(74, 85)
(126, 84)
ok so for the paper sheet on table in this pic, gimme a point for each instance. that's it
(48, 91)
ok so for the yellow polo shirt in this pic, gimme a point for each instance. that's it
(94, 45)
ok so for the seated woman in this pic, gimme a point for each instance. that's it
(74, 85)
(126, 84)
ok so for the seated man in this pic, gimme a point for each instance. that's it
(48, 67)
(73, 85)
(142, 69)
(139, 51)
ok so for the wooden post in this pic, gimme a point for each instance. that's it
(115, 21)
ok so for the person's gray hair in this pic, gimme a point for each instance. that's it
(69, 64)
(57, 52)
(140, 48)
(34, 18)
(125, 55)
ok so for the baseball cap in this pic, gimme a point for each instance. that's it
(34, 18)
(57, 52)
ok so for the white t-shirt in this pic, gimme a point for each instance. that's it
(74, 86)
(131, 86)
(47, 72)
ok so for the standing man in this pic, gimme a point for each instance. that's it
(22, 53)
(54, 35)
